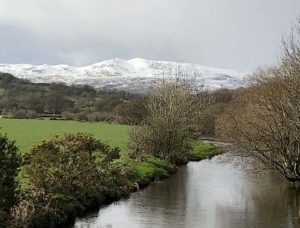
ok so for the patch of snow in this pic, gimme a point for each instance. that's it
(135, 75)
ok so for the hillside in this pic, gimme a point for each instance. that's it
(135, 75)
(22, 99)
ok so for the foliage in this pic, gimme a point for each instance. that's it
(172, 114)
(209, 117)
(39, 209)
(10, 161)
(69, 171)
(134, 112)
(148, 169)
(203, 151)
(56, 180)
(23, 99)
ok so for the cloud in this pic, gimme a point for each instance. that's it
(231, 34)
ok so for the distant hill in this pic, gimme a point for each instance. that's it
(23, 99)
(135, 75)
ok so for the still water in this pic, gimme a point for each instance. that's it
(210, 193)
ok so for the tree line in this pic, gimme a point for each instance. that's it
(22, 99)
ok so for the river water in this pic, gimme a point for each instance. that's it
(210, 193)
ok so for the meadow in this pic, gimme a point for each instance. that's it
(28, 132)
(141, 172)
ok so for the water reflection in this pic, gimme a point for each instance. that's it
(206, 194)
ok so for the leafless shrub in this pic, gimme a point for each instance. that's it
(172, 110)
(266, 119)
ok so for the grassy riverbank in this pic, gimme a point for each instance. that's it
(28, 133)
(203, 150)
(149, 170)
(153, 168)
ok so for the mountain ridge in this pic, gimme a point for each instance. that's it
(135, 75)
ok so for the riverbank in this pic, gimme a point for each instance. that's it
(210, 193)
(204, 150)
(137, 173)
(152, 169)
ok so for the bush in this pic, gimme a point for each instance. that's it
(23, 114)
(67, 115)
(134, 112)
(171, 121)
(10, 161)
(70, 171)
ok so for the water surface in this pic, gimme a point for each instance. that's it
(210, 193)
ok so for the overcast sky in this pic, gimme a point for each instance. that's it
(237, 34)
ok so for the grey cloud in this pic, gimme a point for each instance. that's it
(231, 34)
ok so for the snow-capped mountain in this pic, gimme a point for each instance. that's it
(135, 75)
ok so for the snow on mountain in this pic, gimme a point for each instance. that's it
(135, 75)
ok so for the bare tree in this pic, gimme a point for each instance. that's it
(267, 124)
(172, 108)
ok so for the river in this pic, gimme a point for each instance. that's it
(211, 193)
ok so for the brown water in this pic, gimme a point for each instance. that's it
(210, 194)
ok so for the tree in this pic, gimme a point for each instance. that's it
(172, 111)
(134, 111)
(267, 124)
(10, 161)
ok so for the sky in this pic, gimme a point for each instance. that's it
(234, 34)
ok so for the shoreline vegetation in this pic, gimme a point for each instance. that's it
(142, 171)
(150, 170)
(153, 169)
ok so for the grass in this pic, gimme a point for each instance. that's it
(203, 150)
(149, 169)
(27, 133)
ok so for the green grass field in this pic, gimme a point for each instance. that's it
(27, 133)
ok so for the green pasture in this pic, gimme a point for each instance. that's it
(27, 132)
